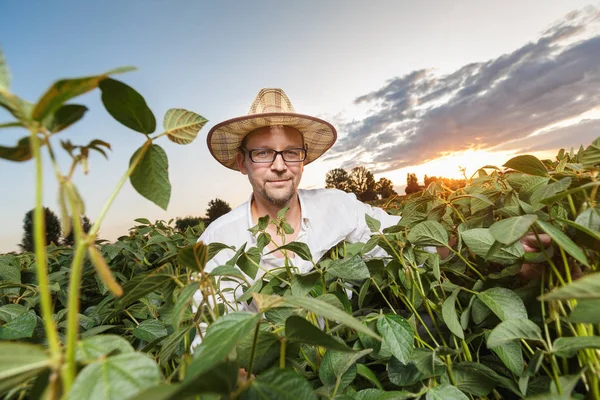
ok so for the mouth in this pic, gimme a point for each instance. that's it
(278, 181)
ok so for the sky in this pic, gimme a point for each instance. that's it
(424, 87)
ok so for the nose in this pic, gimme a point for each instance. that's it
(278, 164)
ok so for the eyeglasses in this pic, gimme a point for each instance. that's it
(269, 155)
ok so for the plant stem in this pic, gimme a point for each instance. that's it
(40, 255)
(382, 295)
(96, 226)
(254, 342)
(74, 288)
(282, 353)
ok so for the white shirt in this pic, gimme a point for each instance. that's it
(329, 216)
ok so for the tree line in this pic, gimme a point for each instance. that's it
(55, 234)
(361, 182)
(413, 186)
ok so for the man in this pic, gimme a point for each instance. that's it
(271, 145)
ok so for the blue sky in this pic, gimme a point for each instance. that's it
(411, 86)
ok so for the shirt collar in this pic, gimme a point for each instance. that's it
(305, 212)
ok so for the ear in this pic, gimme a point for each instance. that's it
(240, 162)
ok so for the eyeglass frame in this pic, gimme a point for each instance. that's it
(276, 153)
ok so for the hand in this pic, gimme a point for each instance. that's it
(243, 376)
(531, 245)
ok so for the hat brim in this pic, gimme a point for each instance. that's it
(225, 138)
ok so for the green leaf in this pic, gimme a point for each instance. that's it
(428, 233)
(64, 117)
(450, 317)
(397, 336)
(479, 379)
(266, 352)
(160, 392)
(118, 377)
(330, 312)
(527, 164)
(511, 355)
(194, 256)
(568, 346)
(222, 337)
(380, 394)
(402, 375)
(587, 287)
(591, 155)
(428, 363)
(92, 348)
(21, 152)
(445, 392)
(546, 191)
(513, 329)
(302, 284)
(480, 240)
(96, 330)
(369, 375)
(182, 126)
(510, 230)
(279, 384)
(141, 285)
(150, 330)
(249, 261)
(64, 90)
(563, 241)
(578, 189)
(301, 249)
(586, 312)
(373, 224)
(20, 327)
(20, 362)
(127, 106)
(225, 270)
(336, 364)
(505, 303)
(221, 378)
(298, 329)
(353, 268)
(11, 311)
(184, 302)
(170, 344)
(587, 222)
(151, 175)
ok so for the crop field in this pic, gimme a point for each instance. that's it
(102, 320)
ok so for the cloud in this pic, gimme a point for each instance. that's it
(422, 116)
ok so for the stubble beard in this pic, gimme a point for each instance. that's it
(279, 198)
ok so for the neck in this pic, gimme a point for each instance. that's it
(261, 207)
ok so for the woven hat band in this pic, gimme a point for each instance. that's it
(271, 101)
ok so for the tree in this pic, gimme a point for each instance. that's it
(338, 179)
(216, 208)
(188, 222)
(69, 240)
(52, 228)
(362, 183)
(412, 184)
(385, 188)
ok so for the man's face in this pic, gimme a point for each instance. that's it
(276, 182)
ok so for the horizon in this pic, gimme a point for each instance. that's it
(423, 88)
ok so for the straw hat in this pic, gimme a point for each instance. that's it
(270, 107)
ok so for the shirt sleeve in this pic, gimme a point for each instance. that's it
(362, 232)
